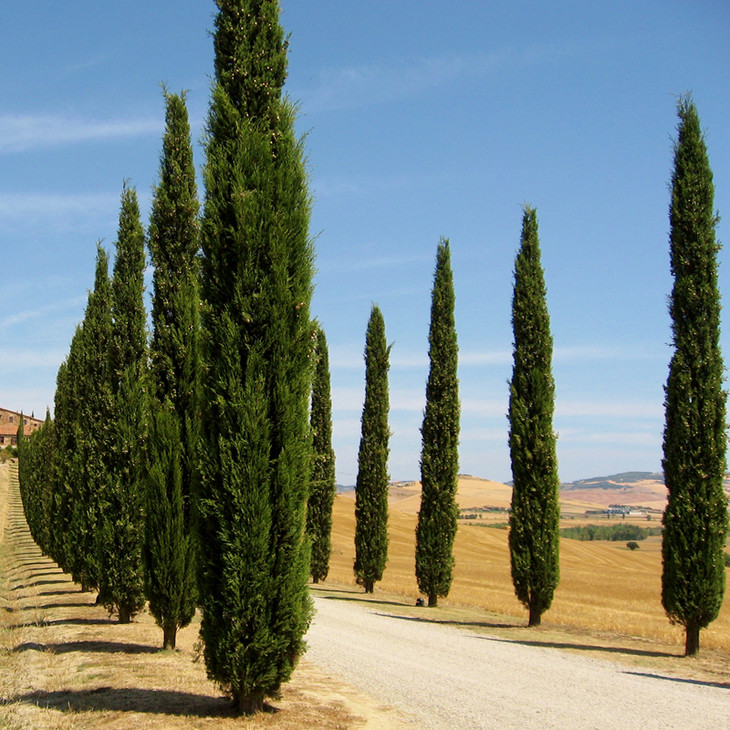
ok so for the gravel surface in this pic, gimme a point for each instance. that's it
(443, 677)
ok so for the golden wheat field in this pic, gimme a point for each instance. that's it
(603, 585)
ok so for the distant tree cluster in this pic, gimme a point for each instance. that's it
(614, 533)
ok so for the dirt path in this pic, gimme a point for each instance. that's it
(447, 678)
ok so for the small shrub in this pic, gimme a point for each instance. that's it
(632, 545)
(9, 452)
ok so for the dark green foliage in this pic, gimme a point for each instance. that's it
(121, 520)
(64, 476)
(322, 485)
(130, 338)
(256, 280)
(695, 519)
(35, 476)
(174, 240)
(88, 428)
(169, 545)
(371, 487)
(615, 533)
(632, 545)
(534, 520)
(437, 518)
(170, 583)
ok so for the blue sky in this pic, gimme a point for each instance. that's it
(422, 120)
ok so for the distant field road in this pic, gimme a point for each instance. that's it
(442, 677)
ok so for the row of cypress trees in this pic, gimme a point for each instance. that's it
(180, 472)
(696, 517)
(219, 429)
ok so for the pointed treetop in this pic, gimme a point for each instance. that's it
(250, 54)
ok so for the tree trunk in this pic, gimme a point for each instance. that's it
(315, 579)
(369, 585)
(250, 704)
(535, 616)
(125, 615)
(433, 600)
(692, 639)
(169, 636)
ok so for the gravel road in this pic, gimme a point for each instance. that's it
(443, 677)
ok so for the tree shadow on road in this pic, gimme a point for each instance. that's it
(720, 685)
(548, 644)
(452, 622)
(545, 643)
(362, 599)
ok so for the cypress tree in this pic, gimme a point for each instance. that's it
(437, 518)
(256, 289)
(534, 520)
(173, 244)
(66, 466)
(90, 411)
(695, 518)
(371, 486)
(322, 486)
(35, 455)
(121, 526)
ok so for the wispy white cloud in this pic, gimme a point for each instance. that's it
(561, 355)
(493, 408)
(393, 79)
(49, 309)
(19, 133)
(350, 357)
(22, 359)
(382, 81)
(609, 409)
(472, 435)
(352, 264)
(382, 184)
(350, 400)
(627, 438)
(407, 400)
(493, 357)
(582, 353)
(23, 205)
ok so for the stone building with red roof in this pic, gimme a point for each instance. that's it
(9, 422)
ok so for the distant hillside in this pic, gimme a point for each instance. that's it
(625, 479)
(643, 489)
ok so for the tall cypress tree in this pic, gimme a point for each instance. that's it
(256, 289)
(695, 518)
(121, 524)
(534, 536)
(68, 462)
(371, 486)
(92, 417)
(322, 487)
(173, 243)
(437, 518)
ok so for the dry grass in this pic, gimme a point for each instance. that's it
(65, 663)
(607, 593)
